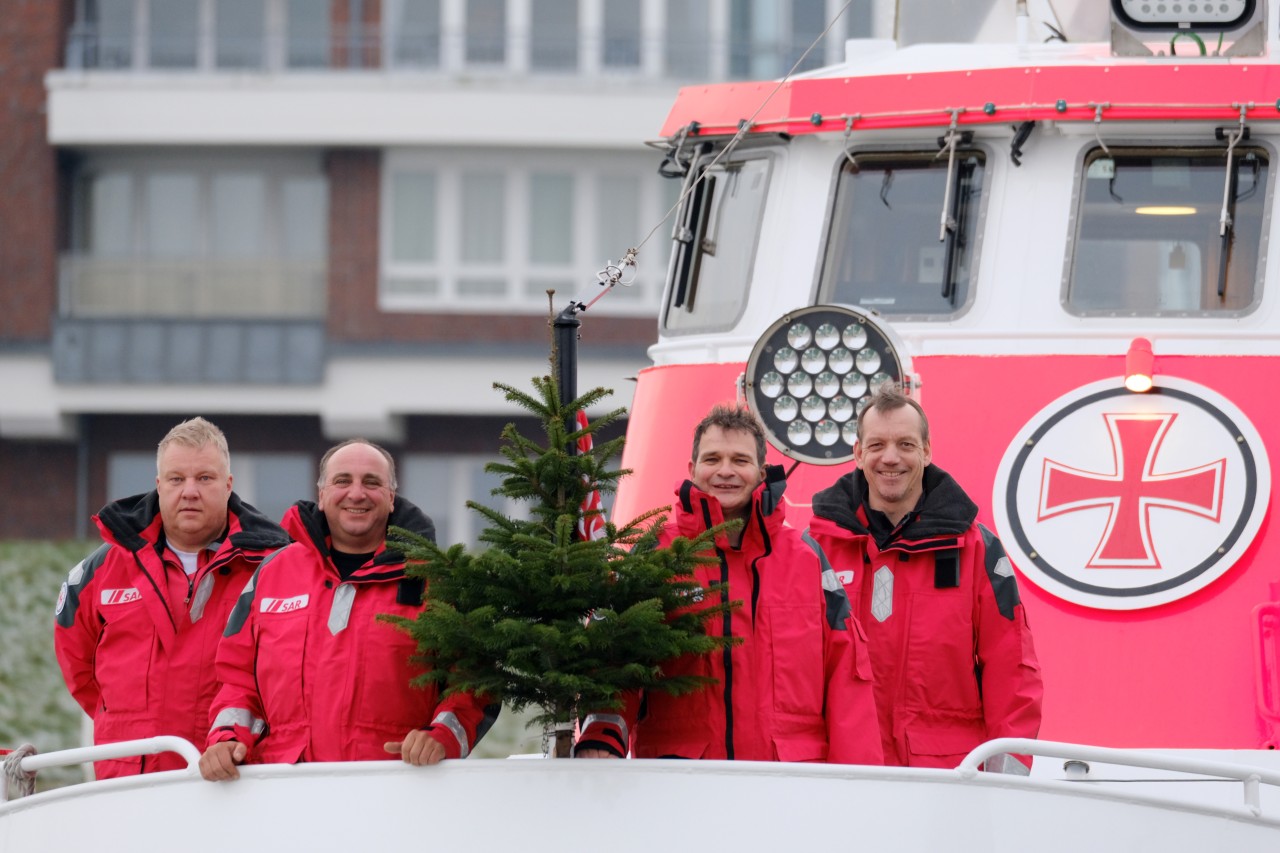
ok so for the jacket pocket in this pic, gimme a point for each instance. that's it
(280, 665)
(385, 697)
(938, 671)
(124, 657)
(941, 747)
(800, 748)
(795, 636)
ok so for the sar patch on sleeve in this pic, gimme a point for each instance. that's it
(1000, 573)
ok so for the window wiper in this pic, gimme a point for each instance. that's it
(691, 221)
(1226, 220)
(951, 203)
(959, 211)
(1020, 136)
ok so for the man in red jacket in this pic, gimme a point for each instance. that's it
(308, 671)
(950, 645)
(139, 619)
(797, 688)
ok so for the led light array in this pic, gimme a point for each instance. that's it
(811, 374)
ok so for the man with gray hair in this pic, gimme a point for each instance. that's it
(137, 622)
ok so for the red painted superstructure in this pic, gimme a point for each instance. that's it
(1196, 667)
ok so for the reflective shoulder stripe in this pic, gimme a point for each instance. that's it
(609, 720)
(203, 593)
(450, 721)
(838, 607)
(241, 717)
(244, 604)
(77, 579)
(1000, 573)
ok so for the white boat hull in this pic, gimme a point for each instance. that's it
(652, 805)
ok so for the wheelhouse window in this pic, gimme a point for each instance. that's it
(715, 236)
(888, 248)
(1168, 232)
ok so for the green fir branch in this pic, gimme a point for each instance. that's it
(540, 619)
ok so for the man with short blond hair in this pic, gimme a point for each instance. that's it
(138, 620)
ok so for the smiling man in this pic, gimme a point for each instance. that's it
(797, 685)
(138, 621)
(308, 670)
(950, 645)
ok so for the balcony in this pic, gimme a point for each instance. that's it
(703, 53)
(208, 322)
(97, 288)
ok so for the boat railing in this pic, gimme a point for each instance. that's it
(31, 764)
(1079, 759)
(1079, 756)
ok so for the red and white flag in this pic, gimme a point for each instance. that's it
(591, 520)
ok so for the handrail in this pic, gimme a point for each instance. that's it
(1247, 774)
(120, 749)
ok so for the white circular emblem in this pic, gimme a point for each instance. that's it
(62, 600)
(1121, 501)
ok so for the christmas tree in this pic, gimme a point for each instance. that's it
(544, 617)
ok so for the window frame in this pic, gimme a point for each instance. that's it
(140, 270)
(526, 282)
(990, 162)
(769, 151)
(1171, 148)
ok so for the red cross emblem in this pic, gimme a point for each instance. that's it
(1132, 490)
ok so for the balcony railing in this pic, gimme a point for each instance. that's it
(103, 288)
(669, 56)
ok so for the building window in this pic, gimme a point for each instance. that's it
(273, 482)
(486, 38)
(767, 38)
(233, 236)
(682, 39)
(130, 474)
(414, 29)
(413, 218)
(239, 33)
(884, 252)
(308, 34)
(103, 36)
(441, 485)
(461, 231)
(553, 43)
(1149, 241)
(622, 34)
(687, 38)
(174, 33)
